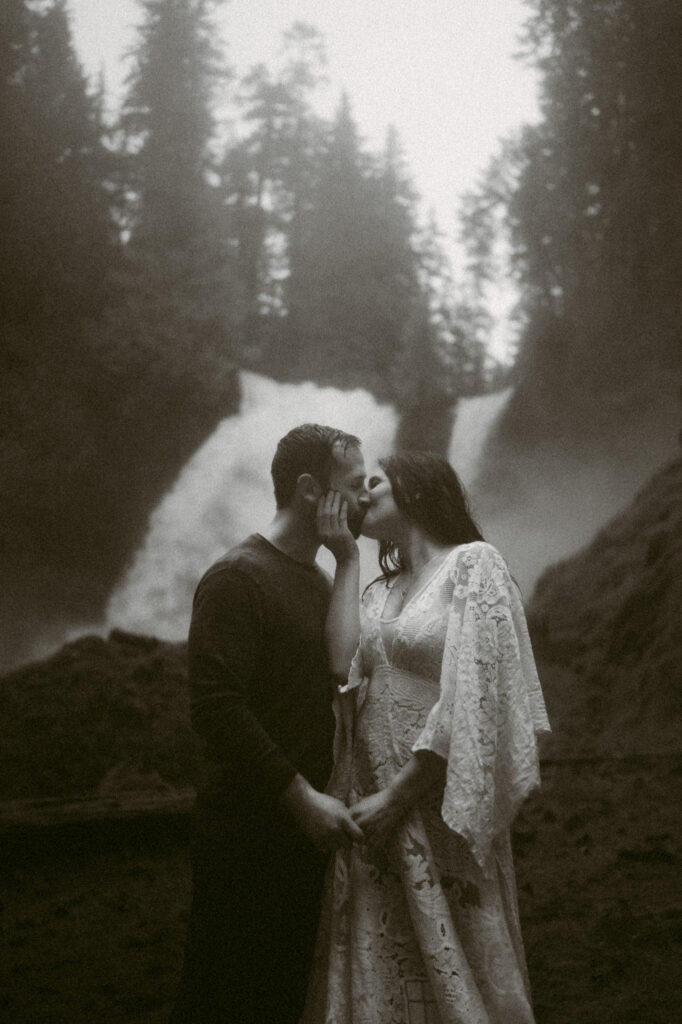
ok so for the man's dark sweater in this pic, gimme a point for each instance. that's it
(261, 702)
(259, 681)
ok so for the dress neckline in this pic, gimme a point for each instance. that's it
(417, 593)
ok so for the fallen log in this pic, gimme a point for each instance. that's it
(39, 815)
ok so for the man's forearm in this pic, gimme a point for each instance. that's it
(297, 795)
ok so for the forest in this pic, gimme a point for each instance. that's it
(149, 256)
(144, 261)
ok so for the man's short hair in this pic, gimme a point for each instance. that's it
(306, 449)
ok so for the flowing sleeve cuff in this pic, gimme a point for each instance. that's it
(490, 709)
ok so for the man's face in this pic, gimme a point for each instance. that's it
(347, 476)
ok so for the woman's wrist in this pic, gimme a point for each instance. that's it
(423, 771)
(347, 556)
(399, 795)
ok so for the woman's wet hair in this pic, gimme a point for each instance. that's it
(428, 492)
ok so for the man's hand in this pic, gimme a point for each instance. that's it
(332, 527)
(324, 819)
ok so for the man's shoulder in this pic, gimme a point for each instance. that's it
(248, 558)
(257, 564)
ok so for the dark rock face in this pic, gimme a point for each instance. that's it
(607, 629)
(98, 717)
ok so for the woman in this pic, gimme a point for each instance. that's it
(435, 751)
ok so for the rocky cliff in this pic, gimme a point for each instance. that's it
(607, 629)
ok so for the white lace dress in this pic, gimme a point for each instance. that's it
(426, 931)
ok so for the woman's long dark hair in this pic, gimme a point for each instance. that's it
(427, 490)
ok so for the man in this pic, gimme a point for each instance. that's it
(261, 702)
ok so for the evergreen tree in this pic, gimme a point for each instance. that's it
(460, 324)
(424, 386)
(56, 244)
(168, 119)
(354, 279)
(269, 171)
(591, 200)
(266, 173)
(176, 292)
(399, 290)
(55, 229)
(114, 356)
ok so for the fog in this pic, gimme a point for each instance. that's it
(541, 503)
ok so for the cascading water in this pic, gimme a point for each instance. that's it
(475, 418)
(225, 492)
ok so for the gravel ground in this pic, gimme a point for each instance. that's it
(93, 923)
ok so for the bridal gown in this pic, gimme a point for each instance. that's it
(425, 930)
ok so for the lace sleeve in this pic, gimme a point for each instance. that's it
(490, 706)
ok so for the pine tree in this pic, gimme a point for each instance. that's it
(168, 119)
(424, 386)
(56, 245)
(322, 287)
(354, 280)
(55, 237)
(176, 292)
(591, 201)
(267, 173)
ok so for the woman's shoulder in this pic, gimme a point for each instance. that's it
(477, 559)
(475, 553)
(376, 586)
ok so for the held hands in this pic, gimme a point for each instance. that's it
(325, 820)
(330, 825)
(332, 526)
(333, 826)
(378, 816)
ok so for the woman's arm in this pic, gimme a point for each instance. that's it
(379, 814)
(342, 629)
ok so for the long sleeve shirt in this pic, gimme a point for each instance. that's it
(259, 680)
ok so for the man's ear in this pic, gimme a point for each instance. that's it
(308, 489)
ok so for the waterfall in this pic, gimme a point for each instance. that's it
(225, 492)
(475, 417)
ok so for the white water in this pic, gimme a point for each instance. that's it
(475, 418)
(225, 492)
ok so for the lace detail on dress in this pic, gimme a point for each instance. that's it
(426, 927)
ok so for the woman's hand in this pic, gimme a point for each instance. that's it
(378, 816)
(332, 527)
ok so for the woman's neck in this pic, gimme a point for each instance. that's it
(418, 549)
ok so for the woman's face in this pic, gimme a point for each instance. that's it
(383, 519)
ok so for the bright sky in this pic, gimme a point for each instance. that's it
(441, 71)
